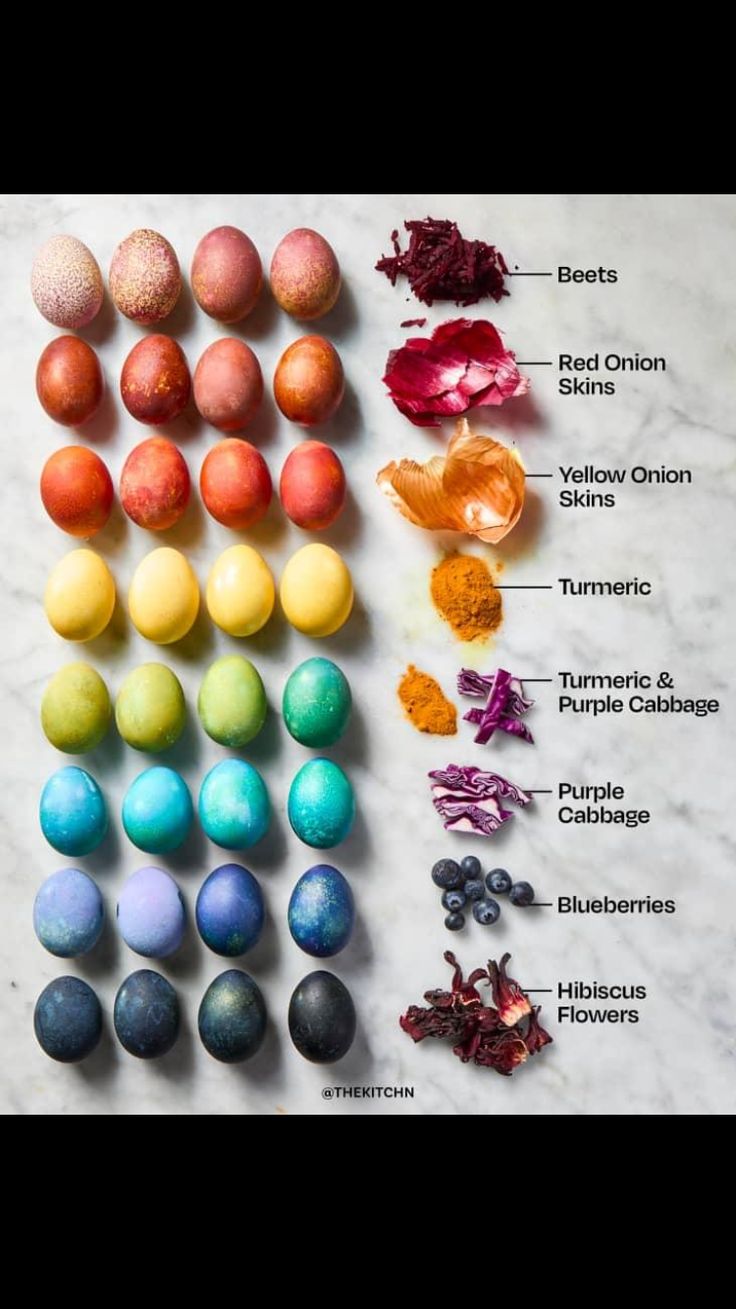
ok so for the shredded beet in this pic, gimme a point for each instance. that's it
(413, 322)
(442, 265)
(505, 705)
(500, 1038)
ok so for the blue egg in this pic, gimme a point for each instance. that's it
(67, 1020)
(73, 813)
(157, 810)
(234, 808)
(321, 804)
(68, 913)
(321, 911)
(146, 1014)
(232, 1017)
(229, 910)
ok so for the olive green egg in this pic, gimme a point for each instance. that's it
(317, 703)
(150, 710)
(232, 701)
(76, 709)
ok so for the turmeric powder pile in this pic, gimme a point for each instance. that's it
(425, 704)
(464, 595)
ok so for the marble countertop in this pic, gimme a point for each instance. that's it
(672, 298)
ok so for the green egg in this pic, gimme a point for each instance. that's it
(317, 703)
(232, 701)
(75, 710)
(150, 710)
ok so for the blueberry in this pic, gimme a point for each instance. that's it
(453, 901)
(446, 873)
(474, 889)
(486, 911)
(521, 894)
(498, 881)
(470, 867)
(454, 922)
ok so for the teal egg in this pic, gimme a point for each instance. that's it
(321, 804)
(317, 703)
(234, 808)
(157, 810)
(72, 811)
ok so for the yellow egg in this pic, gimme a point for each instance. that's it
(80, 596)
(240, 591)
(164, 596)
(316, 590)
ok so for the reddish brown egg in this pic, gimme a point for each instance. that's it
(76, 490)
(145, 279)
(228, 385)
(309, 382)
(155, 382)
(155, 484)
(312, 487)
(305, 274)
(69, 381)
(235, 484)
(226, 274)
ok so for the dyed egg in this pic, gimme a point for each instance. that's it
(309, 382)
(68, 913)
(66, 282)
(145, 279)
(321, 911)
(230, 910)
(155, 384)
(157, 810)
(232, 1017)
(150, 710)
(155, 484)
(235, 484)
(312, 486)
(322, 1018)
(240, 591)
(76, 490)
(226, 274)
(72, 812)
(228, 385)
(316, 590)
(151, 915)
(80, 596)
(75, 709)
(305, 274)
(317, 703)
(67, 1020)
(232, 701)
(234, 808)
(146, 1014)
(164, 596)
(321, 804)
(69, 381)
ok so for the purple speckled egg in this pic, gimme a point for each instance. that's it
(145, 278)
(151, 913)
(66, 282)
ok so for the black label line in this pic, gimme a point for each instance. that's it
(524, 588)
(534, 363)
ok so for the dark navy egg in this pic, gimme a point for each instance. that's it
(322, 1018)
(67, 1020)
(321, 911)
(229, 910)
(232, 1017)
(146, 1014)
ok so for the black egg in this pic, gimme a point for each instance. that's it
(322, 1018)
(67, 1020)
(232, 1017)
(146, 1014)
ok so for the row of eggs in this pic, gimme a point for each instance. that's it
(232, 1018)
(150, 707)
(233, 806)
(316, 593)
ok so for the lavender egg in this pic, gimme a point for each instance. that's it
(151, 913)
(66, 282)
(68, 913)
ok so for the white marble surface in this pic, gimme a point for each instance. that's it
(673, 297)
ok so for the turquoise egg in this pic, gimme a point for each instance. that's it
(321, 804)
(157, 810)
(234, 808)
(317, 703)
(73, 813)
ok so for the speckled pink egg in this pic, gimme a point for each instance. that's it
(228, 384)
(145, 278)
(226, 274)
(66, 282)
(305, 274)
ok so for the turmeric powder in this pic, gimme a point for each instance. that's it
(464, 595)
(425, 704)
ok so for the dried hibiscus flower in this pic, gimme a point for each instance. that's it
(442, 265)
(469, 800)
(477, 487)
(505, 705)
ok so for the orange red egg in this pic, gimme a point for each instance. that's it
(312, 486)
(235, 484)
(77, 490)
(69, 381)
(309, 382)
(155, 485)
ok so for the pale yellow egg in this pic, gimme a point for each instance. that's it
(240, 591)
(316, 590)
(164, 596)
(80, 596)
